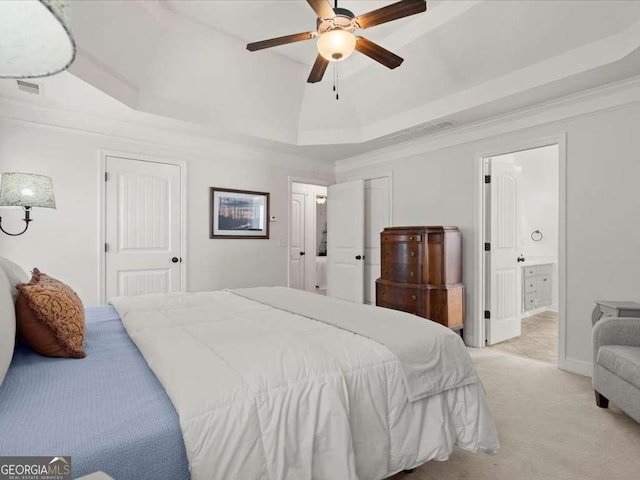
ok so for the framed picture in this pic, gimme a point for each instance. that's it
(238, 214)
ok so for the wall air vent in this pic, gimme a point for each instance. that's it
(425, 129)
(29, 87)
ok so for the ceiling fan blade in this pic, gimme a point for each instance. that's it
(318, 69)
(379, 54)
(322, 8)
(404, 8)
(274, 42)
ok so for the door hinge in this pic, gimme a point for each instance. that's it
(106, 177)
(106, 247)
(487, 247)
(487, 179)
(487, 315)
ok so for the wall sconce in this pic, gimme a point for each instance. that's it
(36, 40)
(25, 190)
(321, 199)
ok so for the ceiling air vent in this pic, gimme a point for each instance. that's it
(29, 87)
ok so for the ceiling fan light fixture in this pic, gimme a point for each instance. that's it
(336, 45)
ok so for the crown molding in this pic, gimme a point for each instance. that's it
(179, 136)
(611, 96)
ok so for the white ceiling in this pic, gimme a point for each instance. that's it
(465, 60)
(247, 19)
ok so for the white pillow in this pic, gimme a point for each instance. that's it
(7, 325)
(15, 275)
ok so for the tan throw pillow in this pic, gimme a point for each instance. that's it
(50, 317)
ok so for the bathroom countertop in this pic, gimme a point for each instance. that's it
(537, 261)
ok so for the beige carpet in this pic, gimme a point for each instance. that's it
(549, 428)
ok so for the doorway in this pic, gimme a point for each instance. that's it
(356, 212)
(308, 237)
(522, 258)
(144, 226)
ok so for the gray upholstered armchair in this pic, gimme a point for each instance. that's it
(616, 364)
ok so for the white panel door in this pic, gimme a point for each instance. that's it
(377, 193)
(345, 242)
(143, 227)
(297, 241)
(505, 272)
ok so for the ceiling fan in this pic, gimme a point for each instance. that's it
(336, 38)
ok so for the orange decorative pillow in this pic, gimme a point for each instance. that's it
(50, 317)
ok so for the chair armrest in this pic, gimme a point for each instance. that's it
(616, 331)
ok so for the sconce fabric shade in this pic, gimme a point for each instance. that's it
(26, 190)
(35, 40)
(336, 45)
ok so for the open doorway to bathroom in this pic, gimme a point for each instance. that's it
(308, 237)
(522, 255)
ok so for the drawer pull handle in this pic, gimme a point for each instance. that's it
(544, 279)
(413, 297)
(411, 274)
(410, 238)
(412, 253)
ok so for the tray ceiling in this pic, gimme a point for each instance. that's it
(464, 61)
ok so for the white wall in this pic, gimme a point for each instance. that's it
(65, 242)
(538, 199)
(437, 187)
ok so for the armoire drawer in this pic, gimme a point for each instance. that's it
(402, 272)
(402, 252)
(401, 238)
(406, 299)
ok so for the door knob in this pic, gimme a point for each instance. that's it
(358, 257)
(521, 258)
(301, 254)
(175, 259)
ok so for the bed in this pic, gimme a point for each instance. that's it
(107, 411)
(248, 384)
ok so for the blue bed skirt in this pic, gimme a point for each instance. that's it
(107, 411)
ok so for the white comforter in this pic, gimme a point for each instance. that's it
(263, 393)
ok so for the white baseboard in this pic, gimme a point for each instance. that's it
(578, 366)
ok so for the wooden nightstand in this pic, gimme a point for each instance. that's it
(606, 308)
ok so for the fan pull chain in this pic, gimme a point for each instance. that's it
(335, 80)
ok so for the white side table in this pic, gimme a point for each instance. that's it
(606, 308)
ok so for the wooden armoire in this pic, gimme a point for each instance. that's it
(421, 271)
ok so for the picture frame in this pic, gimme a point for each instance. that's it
(238, 214)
